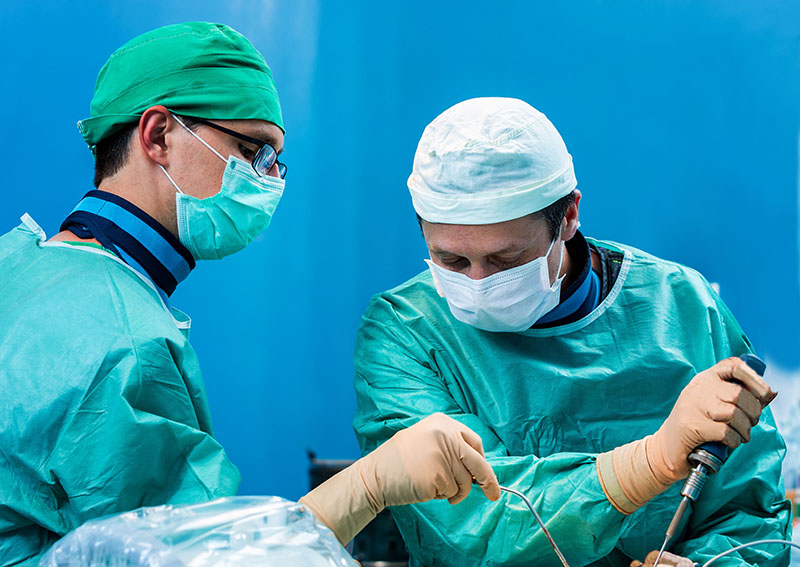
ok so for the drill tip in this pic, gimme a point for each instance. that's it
(661, 552)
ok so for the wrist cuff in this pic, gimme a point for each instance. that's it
(343, 503)
(611, 486)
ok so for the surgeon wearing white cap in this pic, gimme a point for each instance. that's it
(590, 369)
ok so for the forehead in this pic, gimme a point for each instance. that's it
(261, 129)
(519, 234)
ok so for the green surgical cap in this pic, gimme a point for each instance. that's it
(196, 69)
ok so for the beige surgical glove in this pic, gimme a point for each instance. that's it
(667, 560)
(710, 408)
(434, 458)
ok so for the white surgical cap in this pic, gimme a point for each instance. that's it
(488, 160)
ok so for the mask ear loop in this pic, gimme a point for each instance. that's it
(178, 189)
(560, 260)
(202, 141)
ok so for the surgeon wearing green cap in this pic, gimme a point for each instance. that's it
(590, 369)
(103, 407)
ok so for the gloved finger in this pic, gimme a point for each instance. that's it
(445, 485)
(753, 382)
(479, 468)
(742, 398)
(473, 439)
(729, 436)
(731, 415)
(717, 431)
(463, 481)
(724, 368)
(667, 560)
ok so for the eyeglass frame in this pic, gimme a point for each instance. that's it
(282, 169)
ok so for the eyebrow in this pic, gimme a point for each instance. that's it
(506, 250)
(265, 139)
(509, 249)
(260, 132)
(274, 145)
(254, 139)
(271, 141)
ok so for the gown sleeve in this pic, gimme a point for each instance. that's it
(140, 437)
(395, 387)
(398, 381)
(745, 501)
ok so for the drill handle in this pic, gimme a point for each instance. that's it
(720, 450)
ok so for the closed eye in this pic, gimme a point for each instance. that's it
(507, 263)
(454, 263)
(246, 152)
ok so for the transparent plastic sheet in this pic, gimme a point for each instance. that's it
(255, 531)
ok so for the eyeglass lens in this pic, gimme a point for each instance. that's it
(265, 159)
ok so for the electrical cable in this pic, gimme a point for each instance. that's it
(751, 544)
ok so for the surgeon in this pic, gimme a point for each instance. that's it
(590, 369)
(103, 407)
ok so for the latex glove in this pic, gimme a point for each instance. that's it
(712, 407)
(434, 458)
(667, 560)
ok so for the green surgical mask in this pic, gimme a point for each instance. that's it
(227, 222)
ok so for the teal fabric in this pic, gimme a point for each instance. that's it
(103, 407)
(547, 401)
(194, 68)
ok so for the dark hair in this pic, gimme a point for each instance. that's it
(552, 214)
(555, 213)
(112, 152)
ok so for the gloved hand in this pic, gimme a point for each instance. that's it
(434, 458)
(712, 407)
(667, 560)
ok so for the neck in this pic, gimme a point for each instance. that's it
(134, 236)
(141, 188)
(568, 269)
(152, 202)
(67, 236)
(156, 201)
(149, 195)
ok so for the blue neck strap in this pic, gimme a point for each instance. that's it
(583, 295)
(133, 235)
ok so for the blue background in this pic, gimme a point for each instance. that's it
(681, 116)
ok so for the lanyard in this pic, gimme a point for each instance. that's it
(134, 236)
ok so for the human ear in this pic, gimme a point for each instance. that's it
(154, 127)
(570, 222)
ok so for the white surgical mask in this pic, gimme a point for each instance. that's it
(217, 226)
(511, 300)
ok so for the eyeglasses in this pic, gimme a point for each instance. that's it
(266, 156)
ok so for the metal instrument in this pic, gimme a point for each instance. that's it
(540, 522)
(705, 460)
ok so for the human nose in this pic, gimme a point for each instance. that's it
(479, 271)
(273, 171)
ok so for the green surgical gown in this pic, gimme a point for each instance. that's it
(102, 405)
(547, 401)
